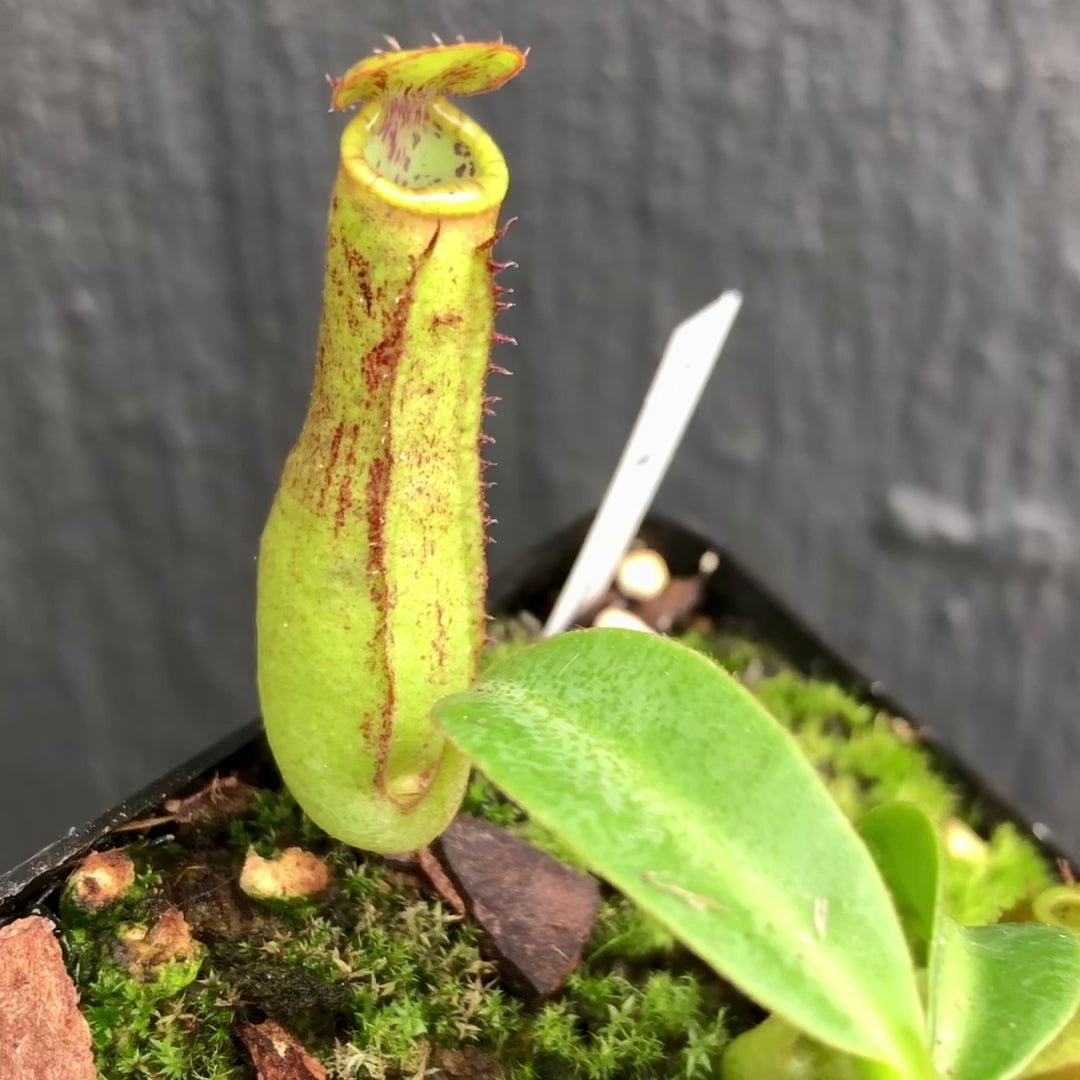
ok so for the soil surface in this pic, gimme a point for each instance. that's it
(226, 938)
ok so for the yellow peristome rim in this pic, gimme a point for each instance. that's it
(451, 197)
(1059, 906)
(462, 69)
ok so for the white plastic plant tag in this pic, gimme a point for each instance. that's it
(689, 358)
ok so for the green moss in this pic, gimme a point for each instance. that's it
(147, 1029)
(811, 705)
(506, 637)
(893, 771)
(484, 800)
(609, 1027)
(978, 891)
(867, 758)
(625, 932)
(739, 655)
(374, 976)
(275, 821)
(373, 964)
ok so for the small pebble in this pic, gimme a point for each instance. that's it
(620, 619)
(903, 730)
(642, 574)
(292, 873)
(708, 564)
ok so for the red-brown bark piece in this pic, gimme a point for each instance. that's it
(43, 1036)
(536, 912)
(671, 608)
(468, 1063)
(278, 1054)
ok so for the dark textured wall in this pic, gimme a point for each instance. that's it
(892, 440)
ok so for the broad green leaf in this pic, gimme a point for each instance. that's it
(1060, 1059)
(998, 995)
(677, 786)
(904, 843)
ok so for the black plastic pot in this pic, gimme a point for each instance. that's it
(733, 596)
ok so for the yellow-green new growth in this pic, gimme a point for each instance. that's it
(372, 572)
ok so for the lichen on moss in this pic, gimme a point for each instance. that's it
(169, 1027)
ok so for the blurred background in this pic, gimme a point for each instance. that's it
(891, 441)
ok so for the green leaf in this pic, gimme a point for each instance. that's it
(675, 784)
(904, 842)
(1059, 1059)
(998, 995)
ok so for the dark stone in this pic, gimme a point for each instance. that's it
(536, 912)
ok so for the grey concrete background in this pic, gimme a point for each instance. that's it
(892, 441)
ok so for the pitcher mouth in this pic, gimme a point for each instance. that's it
(423, 154)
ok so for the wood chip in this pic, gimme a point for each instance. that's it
(43, 1036)
(536, 912)
(278, 1054)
